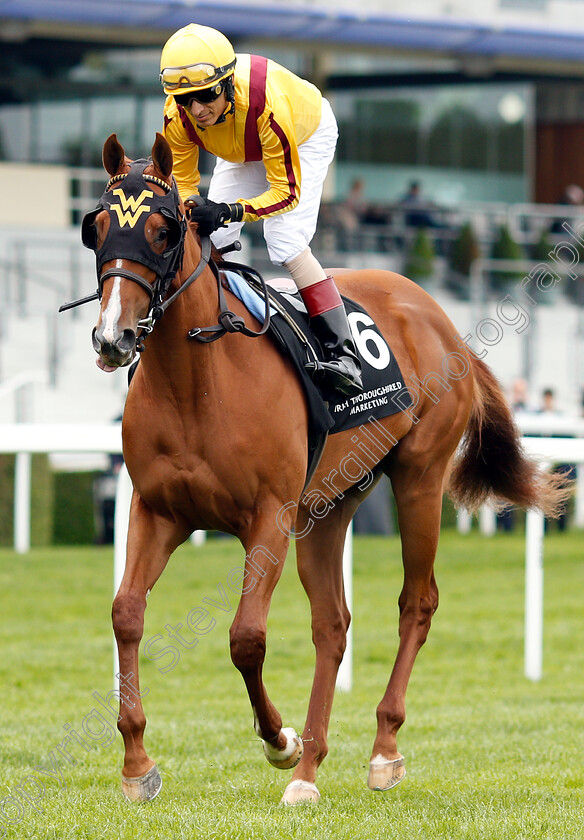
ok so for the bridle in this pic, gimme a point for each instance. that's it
(132, 211)
(129, 207)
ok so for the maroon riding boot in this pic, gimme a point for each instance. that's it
(341, 368)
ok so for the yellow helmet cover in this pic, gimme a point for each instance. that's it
(194, 58)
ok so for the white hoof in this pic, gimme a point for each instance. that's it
(291, 754)
(385, 774)
(142, 788)
(299, 792)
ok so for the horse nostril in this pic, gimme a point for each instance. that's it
(127, 341)
(95, 341)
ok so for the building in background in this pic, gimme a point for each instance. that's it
(480, 102)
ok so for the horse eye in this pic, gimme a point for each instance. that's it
(162, 234)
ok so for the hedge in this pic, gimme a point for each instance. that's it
(74, 519)
(62, 509)
(42, 500)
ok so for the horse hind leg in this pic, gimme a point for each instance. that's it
(418, 495)
(320, 566)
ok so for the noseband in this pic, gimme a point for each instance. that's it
(129, 275)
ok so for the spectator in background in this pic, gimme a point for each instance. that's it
(418, 209)
(420, 212)
(355, 202)
(350, 216)
(572, 196)
(519, 403)
(548, 402)
(356, 215)
(519, 400)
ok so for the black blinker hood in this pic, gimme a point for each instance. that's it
(130, 200)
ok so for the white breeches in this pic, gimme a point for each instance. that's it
(287, 234)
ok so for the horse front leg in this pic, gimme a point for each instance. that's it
(266, 549)
(151, 541)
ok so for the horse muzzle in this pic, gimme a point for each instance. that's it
(115, 351)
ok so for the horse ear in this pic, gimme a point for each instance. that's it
(114, 156)
(162, 155)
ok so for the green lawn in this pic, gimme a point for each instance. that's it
(488, 754)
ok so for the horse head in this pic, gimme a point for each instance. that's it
(137, 232)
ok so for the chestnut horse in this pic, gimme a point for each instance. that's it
(215, 437)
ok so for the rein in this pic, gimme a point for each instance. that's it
(228, 320)
(147, 324)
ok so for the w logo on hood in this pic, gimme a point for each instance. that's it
(130, 209)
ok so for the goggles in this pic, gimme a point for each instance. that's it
(204, 97)
(193, 75)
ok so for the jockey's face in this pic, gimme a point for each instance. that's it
(208, 113)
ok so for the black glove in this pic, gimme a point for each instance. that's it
(210, 216)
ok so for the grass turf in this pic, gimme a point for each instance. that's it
(488, 753)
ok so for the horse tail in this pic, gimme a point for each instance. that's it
(491, 464)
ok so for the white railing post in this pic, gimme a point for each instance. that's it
(534, 595)
(345, 673)
(121, 520)
(198, 538)
(22, 487)
(463, 521)
(487, 521)
(579, 502)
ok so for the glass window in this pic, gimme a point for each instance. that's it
(15, 133)
(510, 147)
(458, 138)
(59, 131)
(473, 136)
(151, 119)
(116, 115)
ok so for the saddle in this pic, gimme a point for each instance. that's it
(384, 392)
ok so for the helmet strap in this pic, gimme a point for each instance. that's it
(229, 90)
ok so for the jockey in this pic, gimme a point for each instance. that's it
(273, 135)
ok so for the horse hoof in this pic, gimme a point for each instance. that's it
(142, 788)
(291, 754)
(300, 792)
(385, 774)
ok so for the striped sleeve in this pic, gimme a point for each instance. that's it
(282, 163)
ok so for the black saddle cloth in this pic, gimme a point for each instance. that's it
(384, 392)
